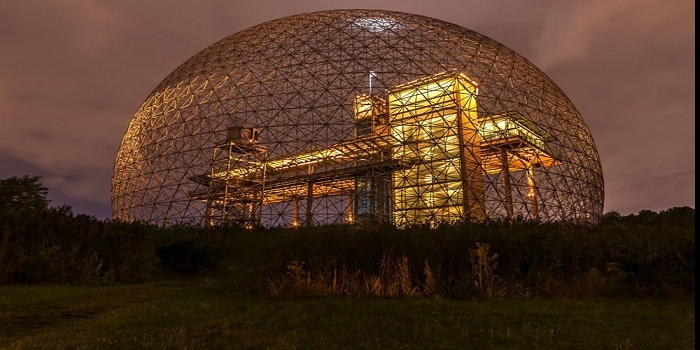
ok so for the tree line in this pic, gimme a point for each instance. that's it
(649, 253)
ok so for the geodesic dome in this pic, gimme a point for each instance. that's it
(354, 116)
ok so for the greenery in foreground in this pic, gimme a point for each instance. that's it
(71, 281)
(193, 313)
(646, 255)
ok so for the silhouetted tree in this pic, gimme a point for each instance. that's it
(23, 194)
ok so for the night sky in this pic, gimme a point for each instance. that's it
(73, 73)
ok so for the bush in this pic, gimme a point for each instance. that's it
(649, 253)
(190, 256)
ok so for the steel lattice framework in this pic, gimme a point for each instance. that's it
(355, 116)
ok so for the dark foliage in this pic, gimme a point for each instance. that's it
(645, 254)
(189, 251)
(23, 194)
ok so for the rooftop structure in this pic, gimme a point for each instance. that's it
(356, 116)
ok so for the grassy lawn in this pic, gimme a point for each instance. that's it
(195, 314)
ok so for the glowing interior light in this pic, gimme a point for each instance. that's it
(363, 106)
(435, 144)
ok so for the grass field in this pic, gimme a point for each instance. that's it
(197, 313)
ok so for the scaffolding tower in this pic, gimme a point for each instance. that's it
(234, 186)
(418, 156)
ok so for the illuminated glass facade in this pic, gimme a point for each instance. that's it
(356, 116)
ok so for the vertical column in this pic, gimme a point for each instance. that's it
(254, 210)
(350, 218)
(470, 167)
(532, 192)
(209, 213)
(373, 199)
(470, 150)
(506, 183)
(295, 212)
(309, 204)
(310, 199)
(263, 178)
(381, 194)
(225, 201)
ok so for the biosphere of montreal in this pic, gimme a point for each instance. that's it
(356, 117)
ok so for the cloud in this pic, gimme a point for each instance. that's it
(571, 28)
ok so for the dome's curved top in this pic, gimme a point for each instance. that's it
(295, 79)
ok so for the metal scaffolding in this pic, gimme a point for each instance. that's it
(418, 157)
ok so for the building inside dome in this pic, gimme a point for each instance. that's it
(356, 117)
